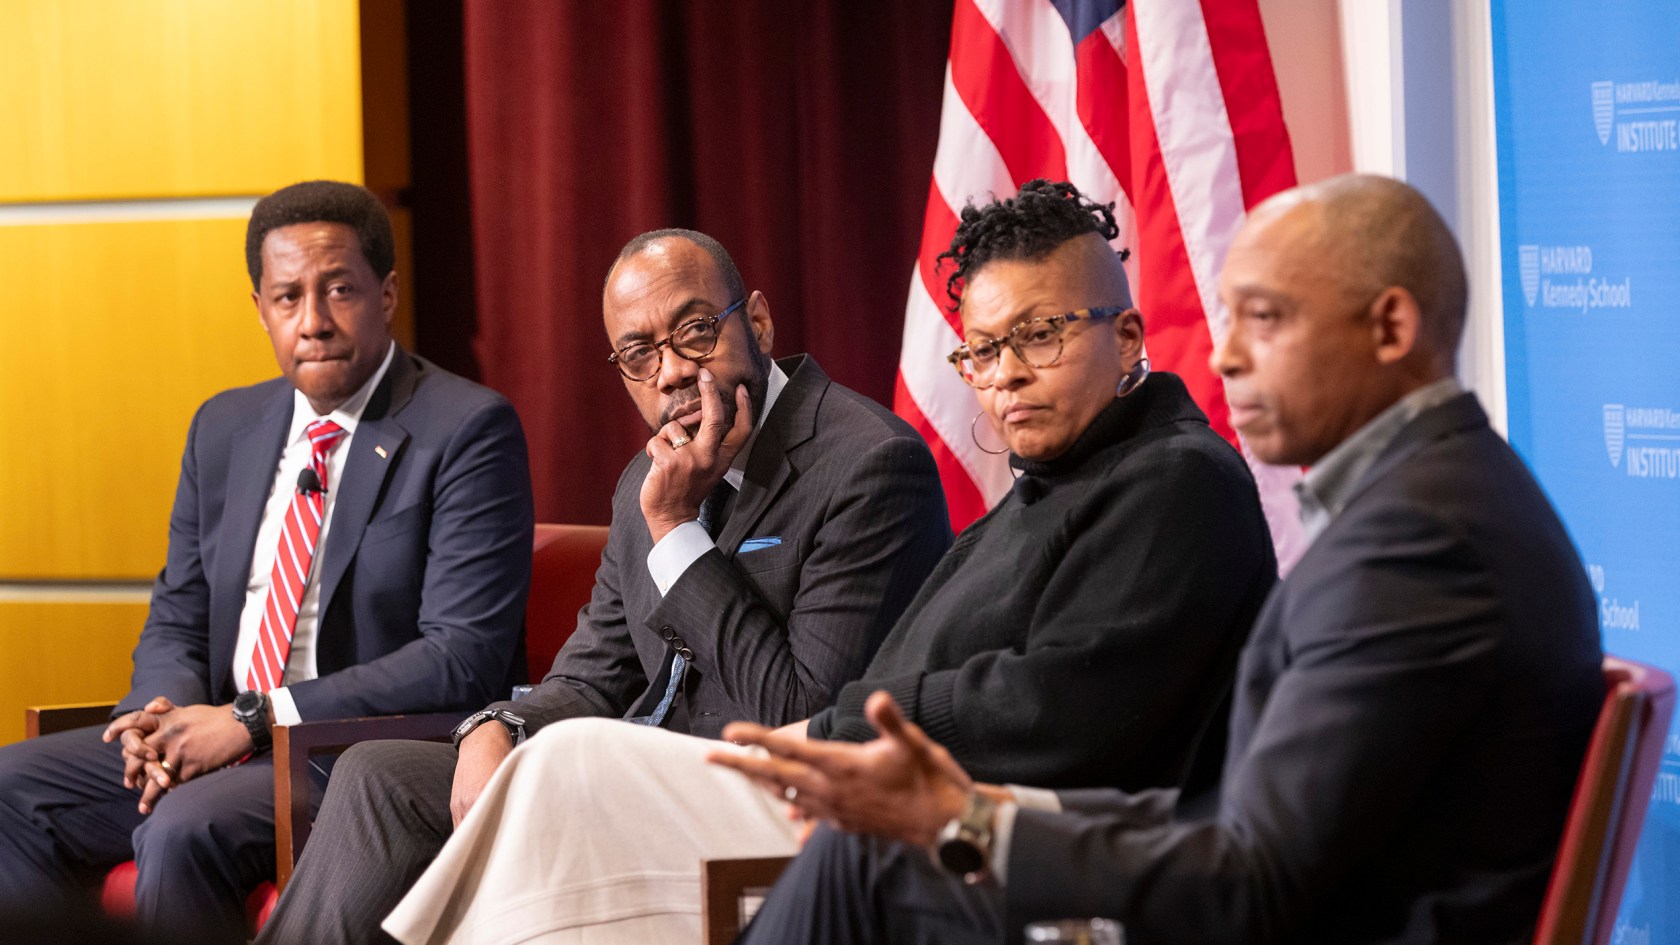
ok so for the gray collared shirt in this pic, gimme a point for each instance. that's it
(1326, 488)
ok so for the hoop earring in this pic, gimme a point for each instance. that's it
(974, 434)
(1134, 378)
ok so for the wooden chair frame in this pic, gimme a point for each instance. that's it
(723, 883)
(1608, 807)
(41, 720)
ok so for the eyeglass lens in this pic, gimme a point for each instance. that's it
(692, 340)
(1038, 342)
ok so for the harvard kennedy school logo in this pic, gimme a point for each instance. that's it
(1528, 264)
(1603, 109)
(1613, 432)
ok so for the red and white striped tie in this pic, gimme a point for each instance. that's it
(291, 564)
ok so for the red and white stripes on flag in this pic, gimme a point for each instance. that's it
(1168, 108)
(292, 560)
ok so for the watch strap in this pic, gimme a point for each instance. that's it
(256, 722)
(514, 724)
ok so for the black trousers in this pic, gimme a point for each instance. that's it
(65, 818)
(849, 890)
(384, 819)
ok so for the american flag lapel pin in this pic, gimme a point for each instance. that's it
(381, 451)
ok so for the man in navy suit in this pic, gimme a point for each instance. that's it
(352, 538)
(1411, 709)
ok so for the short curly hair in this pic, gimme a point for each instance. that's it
(1030, 225)
(322, 201)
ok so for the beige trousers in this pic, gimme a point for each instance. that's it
(592, 832)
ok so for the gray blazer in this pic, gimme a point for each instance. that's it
(1410, 716)
(852, 493)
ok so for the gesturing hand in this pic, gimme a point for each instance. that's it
(686, 469)
(902, 785)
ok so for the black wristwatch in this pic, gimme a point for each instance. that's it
(515, 724)
(251, 709)
(965, 842)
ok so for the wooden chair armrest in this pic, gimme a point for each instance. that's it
(41, 720)
(723, 883)
(295, 744)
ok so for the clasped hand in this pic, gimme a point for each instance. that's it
(165, 745)
(902, 785)
(686, 469)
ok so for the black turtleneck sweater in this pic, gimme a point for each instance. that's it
(1085, 631)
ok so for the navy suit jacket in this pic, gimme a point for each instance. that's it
(1410, 716)
(423, 574)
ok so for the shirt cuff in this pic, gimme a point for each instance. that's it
(285, 709)
(1003, 829)
(1036, 798)
(680, 547)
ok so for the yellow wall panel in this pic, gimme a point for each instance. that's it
(111, 336)
(105, 99)
(56, 653)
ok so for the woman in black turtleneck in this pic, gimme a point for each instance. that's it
(1085, 631)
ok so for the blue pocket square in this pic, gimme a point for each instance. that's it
(758, 544)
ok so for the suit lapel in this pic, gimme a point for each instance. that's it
(250, 476)
(366, 472)
(771, 466)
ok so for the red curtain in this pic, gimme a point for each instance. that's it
(801, 135)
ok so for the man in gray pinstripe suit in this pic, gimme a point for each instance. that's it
(761, 547)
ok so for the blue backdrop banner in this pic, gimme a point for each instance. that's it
(1587, 99)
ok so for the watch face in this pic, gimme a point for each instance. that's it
(961, 856)
(248, 702)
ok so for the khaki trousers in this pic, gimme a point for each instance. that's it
(592, 832)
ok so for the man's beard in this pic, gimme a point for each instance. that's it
(758, 389)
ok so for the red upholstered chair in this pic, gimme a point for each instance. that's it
(563, 564)
(1609, 806)
(562, 575)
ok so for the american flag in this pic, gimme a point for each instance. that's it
(1170, 109)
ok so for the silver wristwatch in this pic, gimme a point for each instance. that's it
(965, 842)
(515, 724)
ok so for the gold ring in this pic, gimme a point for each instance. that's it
(164, 764)
(679, 442)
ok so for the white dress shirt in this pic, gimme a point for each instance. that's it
(300, 664)
(683, 545)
